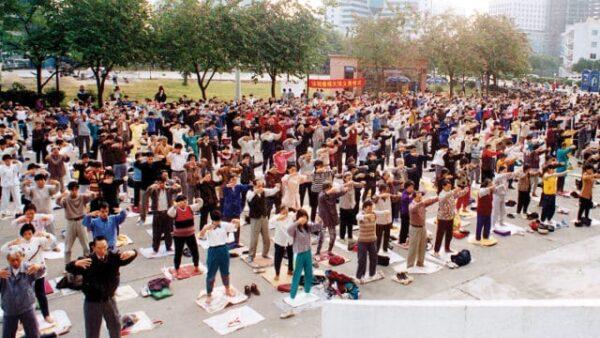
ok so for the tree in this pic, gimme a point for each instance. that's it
(279, 38)
(34, 32)
(103, 34)
(584, 64)
(449, 44)
(544, 65)
(381, 43)
(502, 48)
(196, 38)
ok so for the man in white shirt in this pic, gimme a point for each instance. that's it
(9, 180)
(178, 158)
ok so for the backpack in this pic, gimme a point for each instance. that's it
(383, 260)
(462, 258)
(158, 284)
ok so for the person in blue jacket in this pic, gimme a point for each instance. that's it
(232, 202)
(100, 223)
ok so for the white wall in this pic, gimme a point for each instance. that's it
(464, 319)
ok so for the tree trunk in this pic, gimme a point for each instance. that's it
(185, 78)
(451, 84)
(203, 90)
(38, 78)
(273, 85)
(100, 80)
(57, 65)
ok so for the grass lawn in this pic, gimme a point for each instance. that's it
(141, 89)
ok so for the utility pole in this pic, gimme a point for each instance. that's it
(238, 84)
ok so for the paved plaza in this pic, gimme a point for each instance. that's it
(563, 264)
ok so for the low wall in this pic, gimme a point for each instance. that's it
(476, 319)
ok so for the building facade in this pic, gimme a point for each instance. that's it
(581, 41)
(342, 17)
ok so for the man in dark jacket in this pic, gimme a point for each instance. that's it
(101, 277)
(328, 213)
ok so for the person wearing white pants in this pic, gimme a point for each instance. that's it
(9, 177)
(498, 204)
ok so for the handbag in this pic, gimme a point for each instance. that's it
(383, 260)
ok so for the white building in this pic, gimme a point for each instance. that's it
(342, 16)
(581, 41)
(530, 16)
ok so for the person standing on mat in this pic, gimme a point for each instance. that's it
(183, 230)
(588, 178)
(367, 242)
(445, 216)
(18, 299)
(101, 278)
(485, 205)
(405, 200)
(161, 198)
(218, 253)
(259, 214)
(300, 232)
(32, 246)
(418, 230)
(328, 212)
(501, 188)
(283, 242)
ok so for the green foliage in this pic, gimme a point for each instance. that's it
(584, 64)
(279, 38)
(103, 34)
(502, 48)
(32, 29)
(196, 38)
(544, 65)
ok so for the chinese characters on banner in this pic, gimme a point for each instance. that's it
(341, 83)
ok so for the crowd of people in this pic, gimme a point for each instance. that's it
(307, 166)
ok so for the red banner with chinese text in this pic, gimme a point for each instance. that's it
(341, 83)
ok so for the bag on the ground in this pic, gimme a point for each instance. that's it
(158, 284)
(336, 260)
(164, 293)
(383, 260)
(70, 281)
(284, 288)
(462, 258)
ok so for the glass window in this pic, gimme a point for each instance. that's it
(593, 56)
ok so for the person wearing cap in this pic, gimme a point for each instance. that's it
(183, 229)
(74, 203)
(33, 245)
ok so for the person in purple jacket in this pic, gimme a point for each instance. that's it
(405, 200)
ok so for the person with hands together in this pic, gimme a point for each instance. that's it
(217, 259)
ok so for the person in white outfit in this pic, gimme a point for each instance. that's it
(9, 177)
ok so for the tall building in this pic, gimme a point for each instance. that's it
(530, 16)
(342, 17)
(581, 41)
(544, 21)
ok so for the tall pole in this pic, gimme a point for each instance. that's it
(238, 84)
